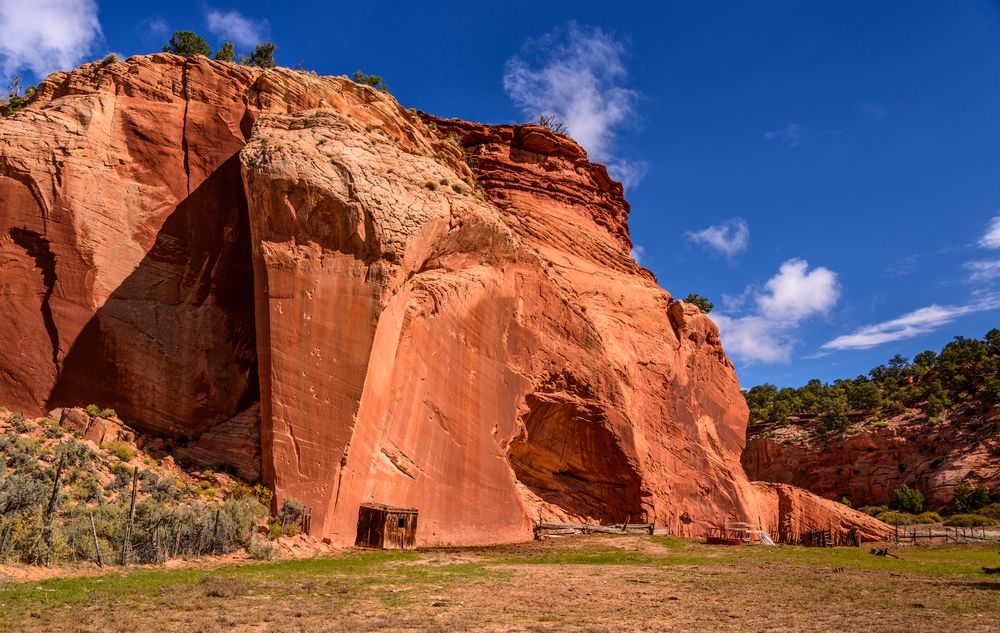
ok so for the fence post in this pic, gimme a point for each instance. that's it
(127, 537)
(97, 544)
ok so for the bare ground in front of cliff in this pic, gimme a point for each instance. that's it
(595, 583)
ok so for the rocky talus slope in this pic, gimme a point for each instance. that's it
(413, 311)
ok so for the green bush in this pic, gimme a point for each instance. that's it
(700, 302)
(991, 510)
(873, 510)
(969, 499)
(907, 499)
(928, 517)
(894, 517)
(119, 449)
(375, 81)
(262, 56)
(969, 520)
(188, 44)
(95, 411)
(226, 52)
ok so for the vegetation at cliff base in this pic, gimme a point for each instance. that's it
(64, 499)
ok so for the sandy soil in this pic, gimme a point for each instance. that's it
(580, 584)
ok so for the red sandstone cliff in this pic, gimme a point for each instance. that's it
(867, 465)
(415, 311)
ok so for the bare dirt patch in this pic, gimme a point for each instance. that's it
(596, 583)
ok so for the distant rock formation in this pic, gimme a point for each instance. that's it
(866, 466)
(413, 311)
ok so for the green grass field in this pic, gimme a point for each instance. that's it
(580, 584)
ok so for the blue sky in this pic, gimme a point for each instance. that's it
(827, 173)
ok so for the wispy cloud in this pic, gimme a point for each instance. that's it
(46, 35)
(791, 135)
(982, 271)
(638, 253)
(153, 29)
(233, 26)
(729, 238)
(578, 74)
(911, 324)
(991, 238)
(792, 296)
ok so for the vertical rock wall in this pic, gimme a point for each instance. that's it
(432, 314)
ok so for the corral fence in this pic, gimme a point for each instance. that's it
(915, 535)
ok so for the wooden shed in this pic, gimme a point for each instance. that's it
(386, 527)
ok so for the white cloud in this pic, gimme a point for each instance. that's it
(791, 135)
(796, 292)
(578, 74)
(628, 172)
(920, 321)
(233, 26)
(638, 253)
(983, 270)
(991, 239)
(767, 335)
(729, 238)
(46, 35)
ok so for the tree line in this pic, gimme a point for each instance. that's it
(964, 373)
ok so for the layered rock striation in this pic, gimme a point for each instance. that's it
(407, 310)
(867, 465)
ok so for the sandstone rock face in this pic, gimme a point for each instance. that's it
(432, 314)
(866, 467)
(126, 237)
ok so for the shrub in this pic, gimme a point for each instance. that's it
(261, 550)
(701, 302)
(969, 520)
(263, 55)
(969, 499)
(20, 492)
(226, 52)
(430, 184)
(223, 587)
(16, 99)
(119, 449)
(928, 517)
(847, 502)
(992, 511)
(553, 123)
(274, 530)
(20, 423)
(375, 81)
(873, 510)
(894, 517)
(95, 411)
(907, 499)
(291, 511)
(188, 44)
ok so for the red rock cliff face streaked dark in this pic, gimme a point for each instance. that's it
(407, 310)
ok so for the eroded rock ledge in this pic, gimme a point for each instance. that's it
(426, 313)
